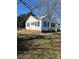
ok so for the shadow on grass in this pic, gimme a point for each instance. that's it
(25, 42)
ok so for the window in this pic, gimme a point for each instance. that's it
(28, 24)
(33, 23)
(46, 24)
(37, 24)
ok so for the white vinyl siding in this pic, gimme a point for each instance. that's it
(35, 24)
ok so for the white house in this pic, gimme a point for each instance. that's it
(38, 23)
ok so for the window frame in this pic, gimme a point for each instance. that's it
(46, 24)
(28, 24)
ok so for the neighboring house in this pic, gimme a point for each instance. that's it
(39, 24)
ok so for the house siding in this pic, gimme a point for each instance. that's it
(33, 26)
(46, 28)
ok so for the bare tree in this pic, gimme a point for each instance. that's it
(48, 7)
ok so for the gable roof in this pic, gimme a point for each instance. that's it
(38, 17)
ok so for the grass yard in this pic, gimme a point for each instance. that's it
(38, 45)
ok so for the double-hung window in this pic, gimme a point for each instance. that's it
(46, 24)
(28, 24)
(37, 24)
